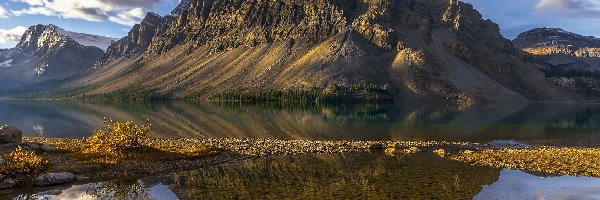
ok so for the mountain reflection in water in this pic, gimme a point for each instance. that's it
(563, 124)
(338, 176)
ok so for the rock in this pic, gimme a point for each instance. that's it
(10, 134)
(412, 150)
(35, 145)
(8, 183)
(50, 192)
(54, 179)
(440, 152)
(48, 148)
(377, 146)
(1, 161)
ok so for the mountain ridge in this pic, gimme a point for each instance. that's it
(418, 50)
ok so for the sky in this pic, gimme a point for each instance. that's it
(114, 18)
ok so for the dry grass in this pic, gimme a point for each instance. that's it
(555, 160)
(21, 164)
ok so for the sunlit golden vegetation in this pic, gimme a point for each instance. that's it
(124, 140)
(113, 141)
(20, 164)
(554, 160)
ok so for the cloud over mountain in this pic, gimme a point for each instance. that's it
(125, 12)
(14, 34)
(580, 8)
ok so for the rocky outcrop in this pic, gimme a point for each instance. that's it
(433, 50)
(138, 39)
(10, 135)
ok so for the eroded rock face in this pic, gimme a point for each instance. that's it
(50, 179)
(10, 135)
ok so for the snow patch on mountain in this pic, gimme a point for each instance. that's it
(86, 39)
(7, 63)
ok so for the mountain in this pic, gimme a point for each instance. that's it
(575, 58)
(560, 47)
(48, 53)
(408, 50)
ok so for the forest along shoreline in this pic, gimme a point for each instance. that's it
(122, 149)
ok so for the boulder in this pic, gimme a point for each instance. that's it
(10, 134)
(50, 179)
(48, 148)
(8, 183)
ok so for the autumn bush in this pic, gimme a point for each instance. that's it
(110, 143)
(20, 164)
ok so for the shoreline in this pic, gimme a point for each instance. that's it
(228, 150)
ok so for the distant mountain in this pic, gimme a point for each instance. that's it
(559, 47)
(48, 53)
(575, 58)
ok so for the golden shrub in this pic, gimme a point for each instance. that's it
(22, 163)
(114, 139)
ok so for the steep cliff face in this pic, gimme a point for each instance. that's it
(415, 50)
(575, 58)
(47, 52)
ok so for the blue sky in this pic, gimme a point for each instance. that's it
(115, 17)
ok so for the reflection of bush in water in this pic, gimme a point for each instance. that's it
(355, 176)
(120, 190)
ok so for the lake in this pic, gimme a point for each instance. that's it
(327, 176)
(556, 124)
(337, 176)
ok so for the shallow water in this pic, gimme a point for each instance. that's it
(561, 124)
(339, 176)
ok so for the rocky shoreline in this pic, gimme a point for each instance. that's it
(495, 154)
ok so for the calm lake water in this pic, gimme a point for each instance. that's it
(559, 124)
(338, 176)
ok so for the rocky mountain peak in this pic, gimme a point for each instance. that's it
(182, 7)
(48, 52)
(544, 37)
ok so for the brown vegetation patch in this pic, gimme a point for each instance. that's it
(554, 160)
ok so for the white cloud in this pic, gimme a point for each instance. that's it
(3, 13)
(11, 35)
(128, 18)
(580, 8)
(125, 12)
